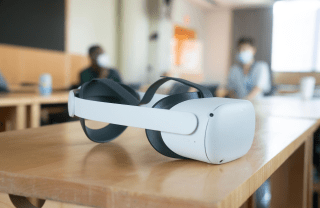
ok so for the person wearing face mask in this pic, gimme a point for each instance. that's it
(248, 79)
(100, 67)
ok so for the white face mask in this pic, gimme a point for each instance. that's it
(103, 60)
(245, 57)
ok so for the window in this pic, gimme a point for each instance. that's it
(295, 41)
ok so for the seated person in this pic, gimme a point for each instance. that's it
(99, 67)
(3, 84)
(248, 79)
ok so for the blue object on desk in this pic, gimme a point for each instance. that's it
(45, 84)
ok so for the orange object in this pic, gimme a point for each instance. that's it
(181, 35)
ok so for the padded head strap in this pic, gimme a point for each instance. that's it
(155, 137)
(204, 92)
(106, 90)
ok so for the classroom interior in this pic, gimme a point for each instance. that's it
(48, 161)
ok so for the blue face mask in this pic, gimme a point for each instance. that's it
(245, 57)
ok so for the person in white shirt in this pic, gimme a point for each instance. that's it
(248, 79)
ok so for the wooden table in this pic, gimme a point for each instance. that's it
(290, 107)
(287, 106)
(58, 163)
(23, 109)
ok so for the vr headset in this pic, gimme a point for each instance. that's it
(192, 125)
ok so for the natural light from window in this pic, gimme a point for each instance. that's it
(295, 46)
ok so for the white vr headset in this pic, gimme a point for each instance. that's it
(191, 125)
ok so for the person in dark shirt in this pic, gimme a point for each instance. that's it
(99, 67)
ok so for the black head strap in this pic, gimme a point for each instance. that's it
(155, 137)
(204, 92)
(106, 90)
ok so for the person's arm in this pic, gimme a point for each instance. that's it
(230, 85)
(254, 93)
(263, 78)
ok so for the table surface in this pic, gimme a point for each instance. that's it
(59, 163)
(13, 99)
(288, 106)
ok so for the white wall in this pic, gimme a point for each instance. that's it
(181, 8)
(197, 22)
(160, 50)
(218, 45)
(159, 57)
(92, 22)
(134, 37)
(214, 30)
(96, 22)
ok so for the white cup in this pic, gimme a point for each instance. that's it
(45, 84)
(307, 85)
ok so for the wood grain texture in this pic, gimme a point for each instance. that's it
(20, 117)
(294, 107)
(36, 62)
(21, 110)
(25, 64)
(5, 117)
(35, 111)
(14, 99)
(13, 117)
(309, 163)
(293, 78)
(5, 202)
(11, 63)
(289, 181)
(59, 163)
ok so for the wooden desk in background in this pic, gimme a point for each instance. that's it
(290, 107)
(287, 106)
(21, 110)
(60, 164)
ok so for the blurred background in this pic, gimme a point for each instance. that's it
(48, 47)
(198, 40)
(141, 38)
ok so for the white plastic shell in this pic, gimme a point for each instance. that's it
(127, 115)
(225, 130)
